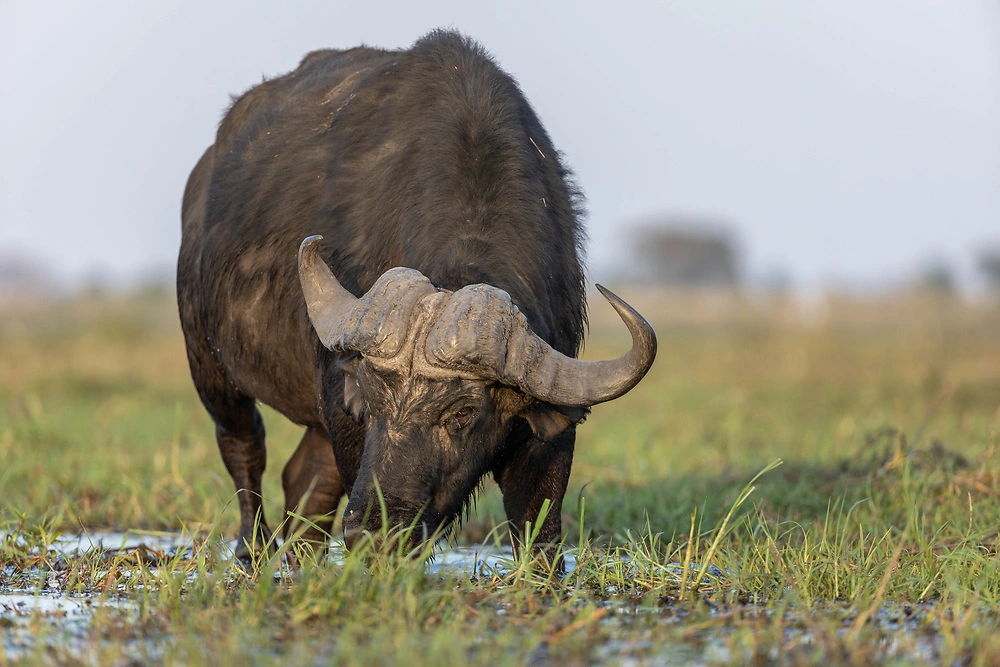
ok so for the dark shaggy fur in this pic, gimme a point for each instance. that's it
(429, 158)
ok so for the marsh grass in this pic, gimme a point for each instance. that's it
(874, 540)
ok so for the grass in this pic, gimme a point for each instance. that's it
(874, 540)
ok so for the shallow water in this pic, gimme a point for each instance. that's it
(35, 613)
(471, 559)
(52, 619)
(164, 542)
(31, 606)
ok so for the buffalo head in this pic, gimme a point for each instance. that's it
(439, 380)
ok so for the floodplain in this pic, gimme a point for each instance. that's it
(793, 483)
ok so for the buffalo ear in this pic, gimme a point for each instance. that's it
(548, 421)
(354, 405)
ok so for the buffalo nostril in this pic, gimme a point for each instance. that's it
(352, 536)
(352, 529)
(358, 537)
(351, 521)
(356, 530)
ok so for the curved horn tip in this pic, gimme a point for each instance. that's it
(619, 303)
(309, 245)
(639, 326)
(605, 292)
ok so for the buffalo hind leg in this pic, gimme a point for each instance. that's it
(535, 472)
(239, 431)
(312, 487)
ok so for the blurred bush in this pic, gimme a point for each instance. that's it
(685, 253)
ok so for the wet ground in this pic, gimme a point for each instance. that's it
(33, 609)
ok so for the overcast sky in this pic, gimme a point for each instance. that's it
(845, 142)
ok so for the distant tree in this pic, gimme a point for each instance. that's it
(686, 253)
(989, 265)
(19, 272)
(937, 278)
(776, 281)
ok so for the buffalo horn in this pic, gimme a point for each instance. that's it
(546, 374)
(328, 303)
(375, 324)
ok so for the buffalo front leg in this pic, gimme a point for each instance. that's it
(535, 472)
(312, 487)
(240, 435)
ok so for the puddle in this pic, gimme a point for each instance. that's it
(19, 606)
(473, 560)
(51, 620)
(479, 560)
(36, 614)
(33, 604)
(166, 543)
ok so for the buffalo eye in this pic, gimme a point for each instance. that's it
(461, 418)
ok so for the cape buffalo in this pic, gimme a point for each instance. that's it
(413, 383)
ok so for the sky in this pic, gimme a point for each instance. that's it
(844, 143)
